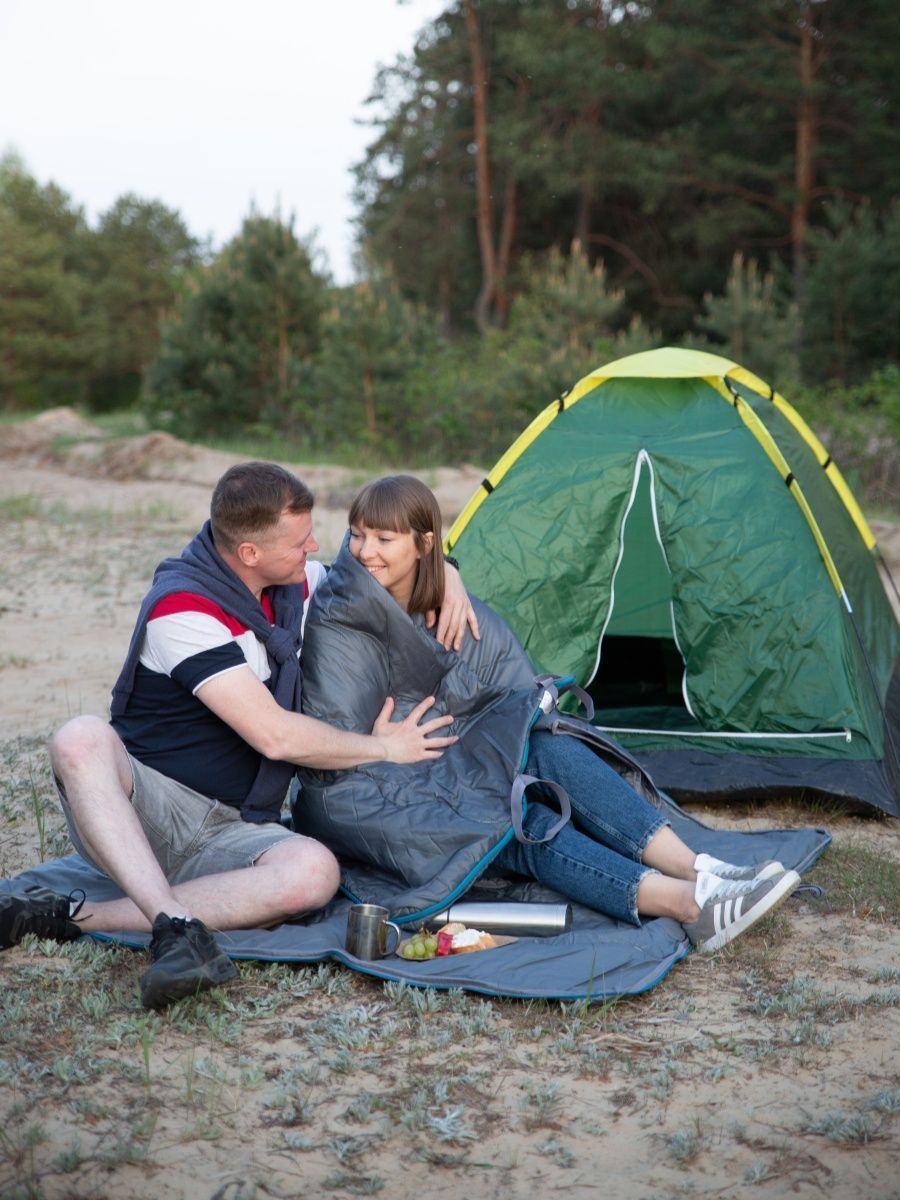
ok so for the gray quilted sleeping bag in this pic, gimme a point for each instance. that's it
(415, 838)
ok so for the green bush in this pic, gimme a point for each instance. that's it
(860, 425)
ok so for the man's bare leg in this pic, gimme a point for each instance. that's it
(90, 761)
(293, 877)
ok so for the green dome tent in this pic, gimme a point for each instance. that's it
(673, 535)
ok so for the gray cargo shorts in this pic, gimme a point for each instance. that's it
(190, 834)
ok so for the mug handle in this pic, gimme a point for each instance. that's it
(396, 929)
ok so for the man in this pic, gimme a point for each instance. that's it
(178, 799)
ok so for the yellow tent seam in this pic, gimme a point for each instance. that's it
(503, 464)
(832, 471)
(588, 384)
(770, 446)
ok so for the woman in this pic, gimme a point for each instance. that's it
(416, 839)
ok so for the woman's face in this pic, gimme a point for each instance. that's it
(391, 558)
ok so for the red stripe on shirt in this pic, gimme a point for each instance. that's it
(180, 602)
(189, 602)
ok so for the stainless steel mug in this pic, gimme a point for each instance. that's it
(368, 931)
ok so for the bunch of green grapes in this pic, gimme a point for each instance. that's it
(420, 945)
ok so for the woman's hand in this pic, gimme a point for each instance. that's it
(456, 612)
(407, 741)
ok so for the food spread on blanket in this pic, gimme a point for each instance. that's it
(454, 938)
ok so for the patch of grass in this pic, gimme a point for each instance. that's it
(448, 1126)
(887, 1101)
(863, 1124)
(106, 519)
(861, 880)
(684, 1145)
(19, 1144)
(555, 1150)
(355, 1185)
(124, 422)
(542, 1106)
(758, 1172)
(284, 448)
(18, 662)
(23, 507)
(855, 1127)
(801, 807)
(793, 998)
(90, 518)
(30, 812)
(885, 975)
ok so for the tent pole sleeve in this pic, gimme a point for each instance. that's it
(831, 469)
(765, 439)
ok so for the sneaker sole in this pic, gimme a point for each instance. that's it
(779, 892)
(159, 988)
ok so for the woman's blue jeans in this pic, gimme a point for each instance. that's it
(595, 858)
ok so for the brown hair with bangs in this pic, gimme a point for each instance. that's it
(249, 499)
(403, 504)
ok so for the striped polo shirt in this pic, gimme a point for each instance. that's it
(189, 640)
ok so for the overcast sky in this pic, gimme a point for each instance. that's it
(206, 105)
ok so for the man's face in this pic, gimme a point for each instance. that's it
(282, 550)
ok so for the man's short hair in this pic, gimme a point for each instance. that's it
(249, 499)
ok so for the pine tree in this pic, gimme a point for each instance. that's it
(852, 311)
(364, 386)
(245, 323)
(49, 333)
(751, 324)
(141, 251)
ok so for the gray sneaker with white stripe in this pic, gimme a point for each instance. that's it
(726, 870)
(735, 906)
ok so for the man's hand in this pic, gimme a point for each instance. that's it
(456, 612)
(407, 741)
(247, 705)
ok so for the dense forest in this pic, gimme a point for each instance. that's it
(548, 184)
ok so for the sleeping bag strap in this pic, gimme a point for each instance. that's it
(517, 806)
(555, 686)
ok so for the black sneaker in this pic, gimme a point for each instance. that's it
(39, 911)
(184, 960)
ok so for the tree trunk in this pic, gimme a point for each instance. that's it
(507, 238)
(284, 348)
(445, 295)
(582, 233)
(369, 401)
(804, 162)
(484, 216)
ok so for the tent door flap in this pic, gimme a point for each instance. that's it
(641, 614)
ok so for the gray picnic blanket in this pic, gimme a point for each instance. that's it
(598, 959)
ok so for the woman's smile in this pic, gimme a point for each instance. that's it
(390, 557)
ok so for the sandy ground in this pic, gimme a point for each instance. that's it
(720, 1083)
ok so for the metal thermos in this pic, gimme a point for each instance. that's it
(519, 920)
